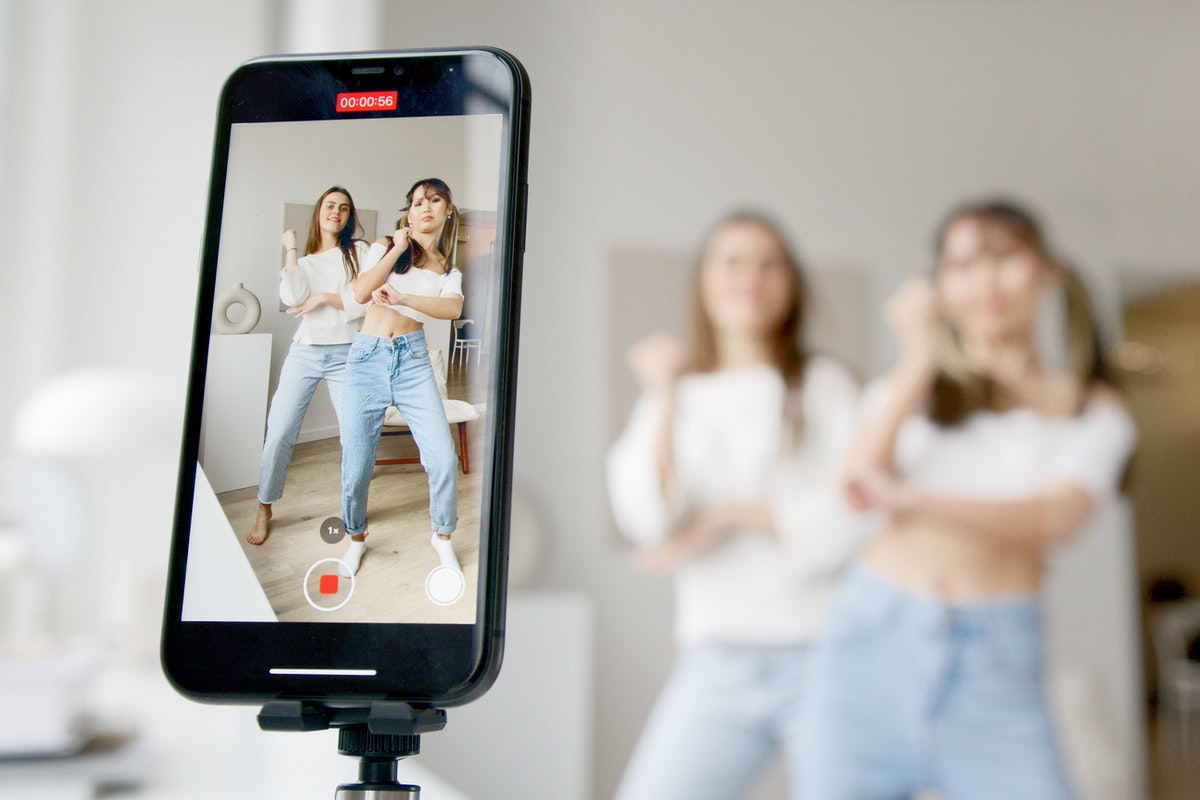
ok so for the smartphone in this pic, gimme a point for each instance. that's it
(313, 163)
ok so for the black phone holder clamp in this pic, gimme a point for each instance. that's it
(378, 735)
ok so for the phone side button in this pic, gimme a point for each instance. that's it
(524, 216)
(332, 673)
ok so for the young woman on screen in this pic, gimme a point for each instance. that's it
(317, 289)
(986, 456)
(410, 278)
(725, 475)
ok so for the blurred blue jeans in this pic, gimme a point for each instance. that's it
(909, 693)
(725, 711)
(395, 372)
(304, 366)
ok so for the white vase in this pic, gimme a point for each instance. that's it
(238, 295)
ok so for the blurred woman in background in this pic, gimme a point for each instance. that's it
(986, 457)
(725, 476)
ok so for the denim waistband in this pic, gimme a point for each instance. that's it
(868, 585)
(394, 341)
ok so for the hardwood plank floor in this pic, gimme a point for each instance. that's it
(390, 584)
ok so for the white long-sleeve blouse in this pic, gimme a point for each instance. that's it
(729, 446)
(323, 272)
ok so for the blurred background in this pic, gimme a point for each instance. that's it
(857, 123)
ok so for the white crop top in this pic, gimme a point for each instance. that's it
(1017, 452)
(418, 281)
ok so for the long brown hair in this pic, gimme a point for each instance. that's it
(788, 354)
(447, 240)
(346, 237)
(959, 388)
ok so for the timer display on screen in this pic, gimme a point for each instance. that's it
(366, 101)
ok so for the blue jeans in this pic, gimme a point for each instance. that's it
(305, 365)
(395, 372)
(908, 693)
(724, 713)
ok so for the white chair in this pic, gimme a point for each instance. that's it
(461, 353)
(458, 413)
(1176, 627)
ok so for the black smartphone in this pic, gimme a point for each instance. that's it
(337, 412)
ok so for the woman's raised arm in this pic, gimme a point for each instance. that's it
(913, 316)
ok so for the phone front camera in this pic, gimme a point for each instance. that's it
(398, 70)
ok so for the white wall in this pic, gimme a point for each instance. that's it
(108, 134)
(858, 123)
(110, 122)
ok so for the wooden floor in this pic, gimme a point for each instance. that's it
(390, 584)
(468, 380)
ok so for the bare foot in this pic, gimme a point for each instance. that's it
(258, 534)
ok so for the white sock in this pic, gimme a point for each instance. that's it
(445, 552)
(353, 555)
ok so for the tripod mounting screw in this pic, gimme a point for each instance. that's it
(353, 741)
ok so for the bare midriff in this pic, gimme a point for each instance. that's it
(387, 323)
(953, 566)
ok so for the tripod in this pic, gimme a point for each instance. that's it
(378, 735)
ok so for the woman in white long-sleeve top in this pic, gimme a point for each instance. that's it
(725, 475)
(317, 288)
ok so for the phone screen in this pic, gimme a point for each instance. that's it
(385, 414)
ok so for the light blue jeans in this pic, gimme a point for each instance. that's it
(395, 372)
(304, 366)
(908, 693)
(724, 713)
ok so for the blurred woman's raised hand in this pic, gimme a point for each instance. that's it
(912, 314)
(657, 361)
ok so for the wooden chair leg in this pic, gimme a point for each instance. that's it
(462, 448)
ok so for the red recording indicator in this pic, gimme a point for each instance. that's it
(349, 102)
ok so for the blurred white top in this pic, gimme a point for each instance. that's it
(323, 272)
(730, 447)
(1017, 452)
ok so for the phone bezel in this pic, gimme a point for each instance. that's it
(421, 663)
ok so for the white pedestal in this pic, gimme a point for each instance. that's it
(235, 409)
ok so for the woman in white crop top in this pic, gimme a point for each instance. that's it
(408, 278)
(317, 290)
(725, 475)
(984, 458)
